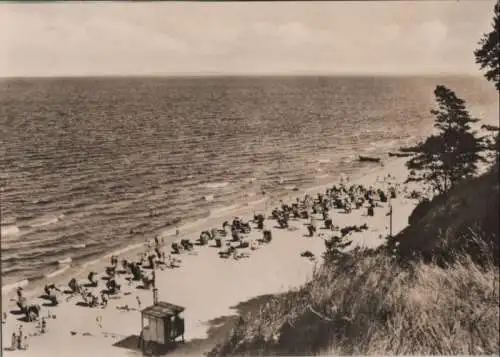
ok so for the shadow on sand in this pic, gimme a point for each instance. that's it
(218, 329)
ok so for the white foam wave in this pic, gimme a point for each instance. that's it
(257, 202)
(57, 272)
(290, 187)
(78, 246)
(208, 198)
(67, 260)
(220, 211)
(216, 184)
(322, 176)
(10, 230)
(9, 287)
(323, 161)
(47, 221)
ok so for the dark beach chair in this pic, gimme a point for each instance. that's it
(92, 279)
(328, 223)
(136, 272)
(175, 248)
(218, 242)
(235, 234)
(371, 211)
(311, 229)
(73, 286)
(243, 244)
(245, 228)
(32, 312)
(112, 286)
(267, 236)
(283, 223)
(204, 237)
(186, 244)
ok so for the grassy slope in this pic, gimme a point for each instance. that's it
(368, 303)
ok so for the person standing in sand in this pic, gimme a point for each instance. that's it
(13, 342)
(138, 302)
(19, 338)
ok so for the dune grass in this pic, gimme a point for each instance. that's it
(366, 303)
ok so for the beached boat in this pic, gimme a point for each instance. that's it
(400, 154)
(369, 159)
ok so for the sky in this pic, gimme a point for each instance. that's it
(264, 38)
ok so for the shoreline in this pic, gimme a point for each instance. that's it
(290, 271)
(264, 204)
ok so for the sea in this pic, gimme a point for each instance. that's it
(92, 165)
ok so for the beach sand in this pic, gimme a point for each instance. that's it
(206, 285)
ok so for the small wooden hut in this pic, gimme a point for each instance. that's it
(161, 325)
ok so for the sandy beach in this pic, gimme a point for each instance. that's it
(206, 285)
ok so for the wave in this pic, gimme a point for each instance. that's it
(222, 210)
(10, 230)
(322, 176)
(208, 198)
(67, 260)
(215, 184)
(45, 222)
(57, 272)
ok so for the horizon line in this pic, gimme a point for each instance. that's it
(246, 75)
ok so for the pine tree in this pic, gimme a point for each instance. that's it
(453, 153)
(488, 55)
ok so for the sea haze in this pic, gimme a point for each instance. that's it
(89, 165)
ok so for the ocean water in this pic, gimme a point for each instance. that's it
(90, 165)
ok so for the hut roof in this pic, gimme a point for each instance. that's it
(162, 309)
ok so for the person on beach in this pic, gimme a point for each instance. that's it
(138, 302)
(104, 300)
(13, 342)
(25, 343)
(44, 325)
(19, 337)
(153, 278)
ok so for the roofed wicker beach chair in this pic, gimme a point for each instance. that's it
(186, 244)
(175, 248)
(204, 237)
(74, 286)
(218, 242)
(245, 228)
(311, 229)
(92, 278)
(267, 236)
(32, 312)
(283, 222)
(112, 286)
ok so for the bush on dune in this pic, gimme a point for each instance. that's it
(465, 220)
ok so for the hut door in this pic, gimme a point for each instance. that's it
(160, 331)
